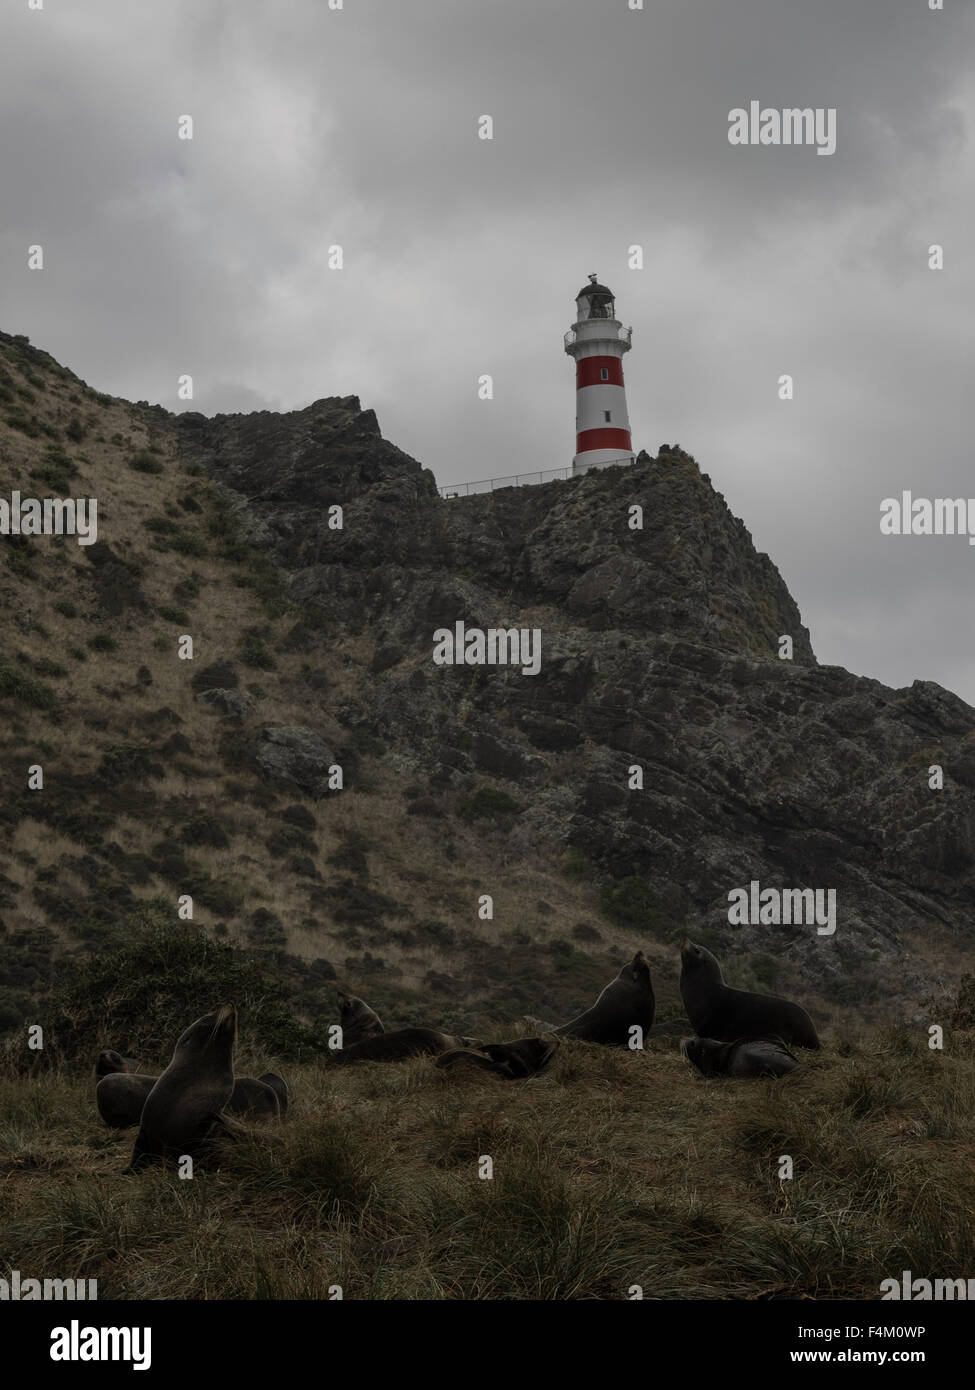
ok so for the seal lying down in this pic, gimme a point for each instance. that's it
(512, 1061)
(745, 1057)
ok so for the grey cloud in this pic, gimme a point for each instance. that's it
(463, 257)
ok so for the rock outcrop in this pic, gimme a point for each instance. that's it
(660, 652)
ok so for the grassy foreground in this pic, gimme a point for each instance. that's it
(612, 1169)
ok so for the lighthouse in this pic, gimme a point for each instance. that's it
(598, 341)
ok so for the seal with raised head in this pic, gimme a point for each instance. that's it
(512, 1060)
(718, 1011)
(357, 1019)
(185, 1104)
(743, 1057)
(109, 1062)
(625, 1002)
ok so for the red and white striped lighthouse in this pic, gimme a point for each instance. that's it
(597, 341)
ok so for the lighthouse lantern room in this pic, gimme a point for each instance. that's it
(597, 342)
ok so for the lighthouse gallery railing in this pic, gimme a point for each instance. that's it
(625, 335)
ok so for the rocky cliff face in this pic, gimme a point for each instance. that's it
(660, 651)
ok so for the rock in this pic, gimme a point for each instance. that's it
(295, 754)
(659, 649)
(232, 704)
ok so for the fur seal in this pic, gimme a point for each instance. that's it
(120, 1097)
(357, 1019)
(185, 1104)
(253, 1097)
(626, 1001)
(744, 1057)
(111, 1061)
(400, 1044)
(280, 1088)
(512, 1060)
(717, 1011)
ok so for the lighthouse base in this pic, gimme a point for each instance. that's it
(599, 458)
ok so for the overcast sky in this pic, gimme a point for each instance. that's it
(358, 127)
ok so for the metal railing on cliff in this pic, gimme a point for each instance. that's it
(492, 484)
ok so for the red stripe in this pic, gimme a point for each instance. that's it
(588, 371)
(603, 439)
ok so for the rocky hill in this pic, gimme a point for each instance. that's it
(312, 648)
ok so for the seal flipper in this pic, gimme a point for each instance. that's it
(145, 1152)
(225, 1126)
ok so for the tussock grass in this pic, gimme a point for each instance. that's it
(612, 1169)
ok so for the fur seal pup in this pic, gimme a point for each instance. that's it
(185, 1104)
(512, 1061)
(400, 1044)
(744, 1057)
(120, 1097)
(111, 1061)
(357, 1019)
(717, 1011)
(626, 1001)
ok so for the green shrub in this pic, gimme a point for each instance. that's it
(204, 829)
(254, 651)
(171, 614)
(187, 589)
(488, 803)
(144, 462)
(17, 420)
(20, 560)
(630, 902)
(14, 685)
(52, 669)
(143, 993)
(188, 543)
(575, 864)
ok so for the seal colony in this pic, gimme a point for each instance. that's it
(198, 1097)
(121, 1095)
